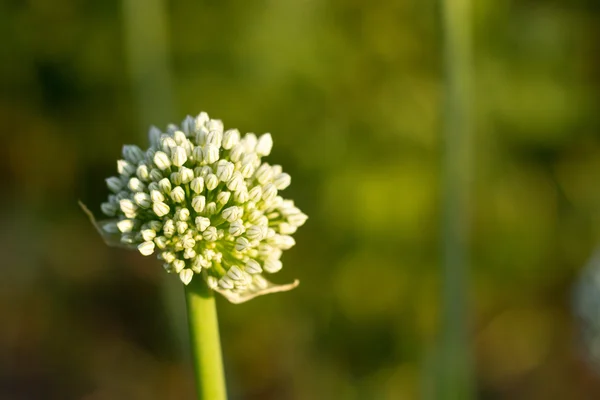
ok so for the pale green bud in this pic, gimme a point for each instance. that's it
(197, 154)
(148, 234)
(231, 213)
(181, 227)
(210, 234)
(183, 214)
(211, 208)
(197, 185)
(168, 256)
(160, 209)
(178, 195)
(128, 208)
(223, 197)
(214, 138)
(236, 152)
(264, 145)
(225, 170)
(154, 136)
(235, 273)
(178, 265)
(298, 219)
(155, 175)
(186, 276)
(253, 267)
(143, 173)
(161, 159)
(198, 203)
(135, 185)
(256, 232)
(143, 199)
(236, 228)
(188, 242)
(230, 138)
(226, 283)
(125, 168)
(241, 196)
(178, 156)
(161, 242)
(169, 228)
(156, 196)
(133, 154)
(211, 181)
(287, 229)
(210, 153)
(125, 225)
(175, 178)
(264, 174)
(269, 192)
(212, 282)
(282, 181)
(165, 185)
(250, 142)
(109, 208)
(114, 184)
(255, 194)
(202, 223)
(272, 265)
(215, 125)
(242, 244)
(179, 138)
(236, 182)
(186, 175)
(146, 248)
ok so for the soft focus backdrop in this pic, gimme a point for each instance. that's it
(351, 91)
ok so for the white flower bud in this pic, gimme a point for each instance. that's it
(161, 159)
(178, 156)
(282, 181)
(179, 137)
(161, 242)
(114, 184)
(255, 194)
(242, 244)
(202, 223)
(143, 199)
(236, 228)
(284, 242)
(250, 142)
(168, 256)
(256, 232)
(143, 173)
(214, 138)
(133, 154)
(128, 208)
(236, 182)
(109, 208)
(146, 248)
(254, 216)
(226, 283)
(178, 265)
(264, 174)
(211, 181)
(165, 185)
(241, 196)
(160, 209)
(175, 178)
(183, 214)
(253, 267)
(225, 170)
(236, 152)
(135, 185)
(223, 197)
(125, 225)
(287, 229)
(269, 192)
(186, 175)
(127, 238)
(264, 145)
(210, 234)
(148, 234)
(231, 213)
(188, 242)
(215, 125)
(235, 273)
(212, 282)
(155, 175)
(272, 265)
(181, 226)
(210, 153)
(157, 196)
(186, 276)
(167, 143)
(125, 168)
(198, 203)
(230, 138)
(297, 219)
(211, 208)
(169, 228)
(178, 195)
(197, 185)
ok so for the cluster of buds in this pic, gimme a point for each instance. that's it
(202, 199)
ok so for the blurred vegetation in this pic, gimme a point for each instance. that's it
(351, 92)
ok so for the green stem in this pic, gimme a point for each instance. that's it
(455, 381)
(205, 342)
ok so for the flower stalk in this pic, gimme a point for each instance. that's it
(205, 342)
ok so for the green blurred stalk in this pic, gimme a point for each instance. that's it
(204, 338)
(454, 362)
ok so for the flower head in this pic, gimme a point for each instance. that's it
(206, 204)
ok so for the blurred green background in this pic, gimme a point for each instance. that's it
(351, 91)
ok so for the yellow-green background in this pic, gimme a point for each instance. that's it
(351, 92)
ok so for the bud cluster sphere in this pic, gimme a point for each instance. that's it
(201, 199)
